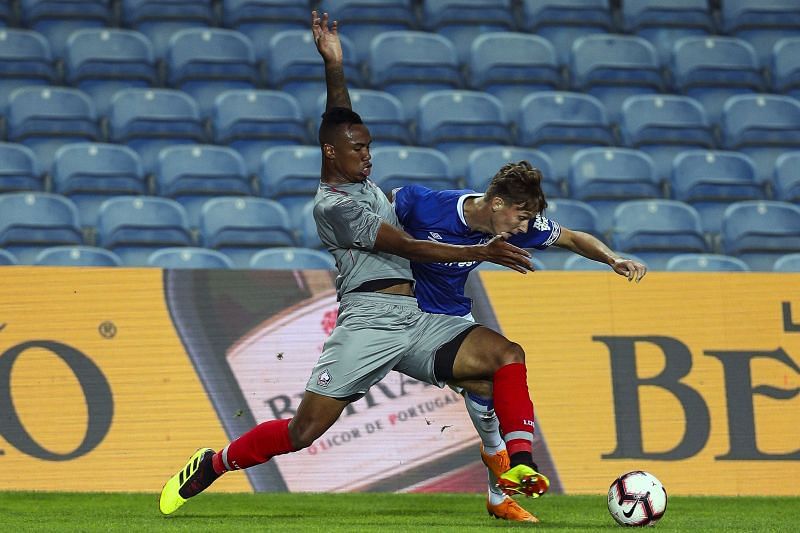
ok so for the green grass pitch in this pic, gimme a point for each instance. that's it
(322, 513)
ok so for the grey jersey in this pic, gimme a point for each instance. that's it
(348, 217)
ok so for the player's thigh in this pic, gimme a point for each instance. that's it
(315, 415)
(482, 353)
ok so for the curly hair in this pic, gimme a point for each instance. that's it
(519, 184)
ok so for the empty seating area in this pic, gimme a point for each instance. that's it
(182, 134)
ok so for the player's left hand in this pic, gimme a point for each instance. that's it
(633, 270)
(326, 38)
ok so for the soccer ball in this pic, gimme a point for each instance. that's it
(637, 499)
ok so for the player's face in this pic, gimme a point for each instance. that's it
(510, 219)
(352, 161)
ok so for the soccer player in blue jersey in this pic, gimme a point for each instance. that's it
(513, 206)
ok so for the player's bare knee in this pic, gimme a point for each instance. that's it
(512, 353)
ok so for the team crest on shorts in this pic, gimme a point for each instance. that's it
(324, 378)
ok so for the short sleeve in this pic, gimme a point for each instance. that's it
(542, 233)
(351, 224)
(404, 201)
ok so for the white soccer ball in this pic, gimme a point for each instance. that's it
(637, 499)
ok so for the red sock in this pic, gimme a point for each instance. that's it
(514, 408)
(257, 446)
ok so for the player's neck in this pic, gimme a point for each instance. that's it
(478, 214)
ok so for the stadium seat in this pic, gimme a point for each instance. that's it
(261, 19)
(706, 263)
(205, 62)
(295, 66)
(461, 20)
(44, 118)
(786, 67)
(710, 180)
(240, 227)
(57, 19)
(759, 232)
(192, 174)
(663, 126)
(91, 173)
(7, 258)
(562, 22)
(396, 166)
(308, 235)
(787, 177)
(77, 256)
(19, 170)
(577, 262)
(102, 61)
(760, 22)
(574, 215)
(712, 69)
(134, 226)
(511, 65)
(763, 126)
(25, 59)
(457, 122)
(664, 23)
(189, 257)
(787, 263)
(560, 123)
(32, 221)
(603, 177)
(409, 64)
(148, 120)
(5, 14)
(160, 19)
(252, 121)
(292, 258)
(614, 67)
(290, 175)
(483, 164)
(655, 230)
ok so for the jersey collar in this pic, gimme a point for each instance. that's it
(460, 206)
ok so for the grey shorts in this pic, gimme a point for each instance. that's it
(376, 333)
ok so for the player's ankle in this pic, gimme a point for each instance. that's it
(521, 458)
(217, 464)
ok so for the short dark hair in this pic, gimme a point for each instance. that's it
(519, 184)
(333, 119)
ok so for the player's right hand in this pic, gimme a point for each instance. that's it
(500, 252)
(326, 39)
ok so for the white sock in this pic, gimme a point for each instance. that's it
(488, 427)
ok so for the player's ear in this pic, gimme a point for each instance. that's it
(497, 203)
(328, 151)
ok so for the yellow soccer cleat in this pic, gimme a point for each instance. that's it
(510, 510)
(522, 479)
(498, 463)
(189, 481)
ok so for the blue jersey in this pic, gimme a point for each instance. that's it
(439, 216)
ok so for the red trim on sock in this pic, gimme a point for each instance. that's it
(513, 406)
(260, 444)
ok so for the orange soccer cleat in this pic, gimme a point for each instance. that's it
(510, 510)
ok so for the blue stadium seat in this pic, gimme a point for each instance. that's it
(261, 19)
(57, 19)
(192, 174)
(461, 20)
(290, 175)
(663, 126)
(19, 170)
(712, 69)
(189, 257)
(562, 22)
(663, 23)
(25, 59)
(307, 230)
(409, 64)
(763, 126)
(7, 258)
(574, 215)
(457, 122)
(787, 177)
(759, 232)
(205, 62)
(148, 120)
(44, 118)
(32, 221)
(710, 180)
(77, 256)
(577, 262)
(484, 163)
(603, 177)
(706, 263)
(252, 121)
(134, 226)
(5, 14)
(559, 123)
(512, 65)
(102, 61)
(160, 19)
(786, 67)
(761, 22)
(295, 66)
(396, 166)
(293, 258)
(91, 173)
(240, 227)
(655, 230)
(787, 263)
(614, 67)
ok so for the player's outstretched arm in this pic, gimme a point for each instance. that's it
(589, 246)
(326, 37)
(397, 242)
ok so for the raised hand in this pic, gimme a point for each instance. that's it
(503, 253)
(326, 38)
